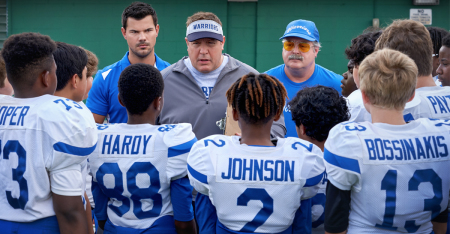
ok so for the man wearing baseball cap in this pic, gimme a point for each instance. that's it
(195, 86)
(300, 48)
(301, 44)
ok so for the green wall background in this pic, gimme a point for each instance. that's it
(252, 29)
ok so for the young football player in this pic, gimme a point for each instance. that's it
(139, 170)
(254, 185)
(5, 86)
(413, 39)
(315, 111)
(92, 68)
(44, 140)
(71, 74)
(393, 175)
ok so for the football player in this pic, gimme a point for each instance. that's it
(248, 182)
(44, 140)
(315, 111)
(139, 169)
(393, 175)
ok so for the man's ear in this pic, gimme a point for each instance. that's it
(74, 81)
(124, 32)
(120, 101)
(45, 78)
(157, 30)
(235, 115)
(157, 104)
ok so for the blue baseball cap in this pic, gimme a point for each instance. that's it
(302, 28)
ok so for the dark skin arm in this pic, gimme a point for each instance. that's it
(99, 118)
(89, 214)
(439, 228)
(70, 214)
(188, 227)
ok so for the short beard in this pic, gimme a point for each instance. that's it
(142, 55)
(296, 57)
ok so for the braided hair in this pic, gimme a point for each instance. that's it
(437, 34)
(257, 98)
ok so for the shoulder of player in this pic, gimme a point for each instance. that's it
(303, 146)
(215, 141)
(343, 139)
(63, 110)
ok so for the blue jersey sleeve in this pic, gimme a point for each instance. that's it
(302, 220)
(181, 196)
(97, 101)
(205, 214)
(101, 202)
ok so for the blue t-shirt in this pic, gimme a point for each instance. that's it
(102, 99)
(321, 76)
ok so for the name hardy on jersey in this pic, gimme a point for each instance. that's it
(13, 115)
(440, 103)
(115, 144)
(259, 170)
(407, 149)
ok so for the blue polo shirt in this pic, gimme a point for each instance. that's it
(103, 99)
(321, 76)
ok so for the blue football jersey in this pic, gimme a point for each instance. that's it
(397, 174)
(134, 166)
(43, 143)
(255, 189)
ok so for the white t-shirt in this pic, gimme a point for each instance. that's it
(206, 81)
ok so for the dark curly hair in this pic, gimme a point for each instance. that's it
(257, 98)
(70, 60)
(318, 109)
(139, 85)
(446, 41)
(26, 55)
(138, 11)
(362, 46)
(437, 34)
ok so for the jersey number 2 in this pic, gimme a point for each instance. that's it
(17, 174)
(258, 194)
(389, 183)
(136, 193)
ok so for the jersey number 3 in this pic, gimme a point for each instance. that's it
(136, 193)
(389, 183)
(17, 174)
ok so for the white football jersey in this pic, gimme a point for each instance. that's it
(432, 102)
(255, 189)
(134, 166)
(358, 112)
(43, 141)
(397, 174)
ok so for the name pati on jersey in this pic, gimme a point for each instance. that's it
(13, 115)
(439, 104)
(116, 144)
(423, 148)
(257, 170)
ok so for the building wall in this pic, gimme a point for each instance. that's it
(252, 29)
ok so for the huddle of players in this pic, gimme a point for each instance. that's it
(142, 173)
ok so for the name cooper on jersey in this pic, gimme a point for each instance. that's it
(407, 149)
(13, 115)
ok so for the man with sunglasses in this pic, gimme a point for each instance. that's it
(300, 48)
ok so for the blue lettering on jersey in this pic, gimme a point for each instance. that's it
(407, 149)
(127, 145)
(166, 128)
(13, 115)
(439, 103)
(207, 91)
(277, 170)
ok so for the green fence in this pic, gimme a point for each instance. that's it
(252, 29)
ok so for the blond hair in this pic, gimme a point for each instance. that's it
(92, 63)
(203, 16)
(411, 38)
(388, 78)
